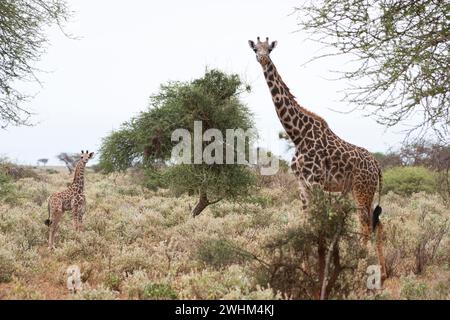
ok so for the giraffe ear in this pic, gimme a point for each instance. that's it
(251, 44)
(91, 155)
(272, 45)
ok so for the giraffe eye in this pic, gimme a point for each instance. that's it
(254, 50)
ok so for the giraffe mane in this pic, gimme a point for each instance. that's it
(313, 115)
(302, 109)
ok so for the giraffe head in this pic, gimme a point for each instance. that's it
(85, 156)
(262, 49)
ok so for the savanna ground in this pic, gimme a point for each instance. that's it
(142, 244)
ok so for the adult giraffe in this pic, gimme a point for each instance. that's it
(322, 159)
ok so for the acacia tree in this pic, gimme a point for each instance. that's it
(43, 161)
(22, 42)
(401, 51)
(146, 140)
(70, 160)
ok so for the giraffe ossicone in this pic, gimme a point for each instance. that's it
(322, 159)
(72, 198)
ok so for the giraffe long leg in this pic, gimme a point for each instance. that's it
(77, 214)
(379, 233)
(81, 211)
(364, 225)
(304, 195)
(363, 203)
(75, 218)
(53, 228)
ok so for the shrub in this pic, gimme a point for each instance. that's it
(310, 252)
(40, 195)
(112, 281)
(416, 232)
(131, 260)
(99, 293)
(7, 190)
(215, 284)
(86, 245)
(413, 290)
(219, 253)
(16, 172)
(154, 179)
(409, 180)
(159, 291)
(7, 265)
(28, 232)
(134, 284)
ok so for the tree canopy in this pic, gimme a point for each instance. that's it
(146, 140)
(402, 57)
(22, 42)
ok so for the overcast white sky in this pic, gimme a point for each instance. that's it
(128, 48)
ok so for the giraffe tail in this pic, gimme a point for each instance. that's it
(377, 211)
(376, 216)
(48, 222)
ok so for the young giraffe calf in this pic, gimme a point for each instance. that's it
(70, 199)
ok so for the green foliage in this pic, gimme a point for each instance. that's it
(380, 156)
(118, 151)
(155, 179)
(219, 253)
(302, 251)
(112, 281)
(7, 189)
(412, 290)
(409, 180)
(220, 181)
(262, 200)
(159, 291)
(145, 140)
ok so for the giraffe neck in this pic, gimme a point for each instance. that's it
(78, 178)
(295, 119)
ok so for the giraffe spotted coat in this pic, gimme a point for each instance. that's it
(72, 198)
(322, 159)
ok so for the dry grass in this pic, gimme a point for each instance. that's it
(139, 244)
